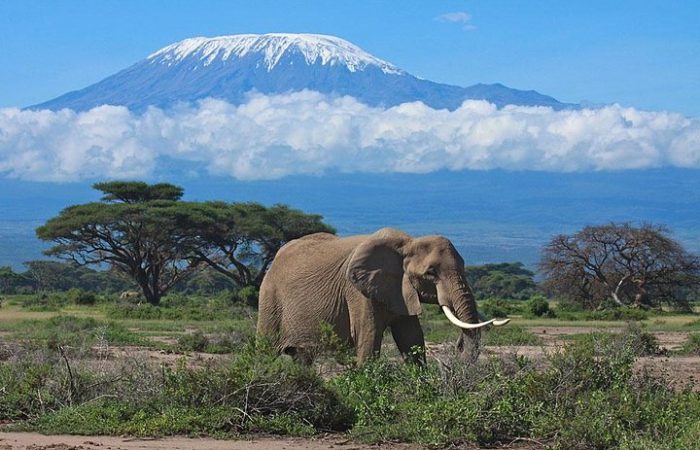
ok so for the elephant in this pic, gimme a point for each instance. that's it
(362, 285)
(129, 295)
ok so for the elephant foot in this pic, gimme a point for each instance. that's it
(300, 355)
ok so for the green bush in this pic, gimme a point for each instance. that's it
(500, 308)
(81, 297)
(538, 306)
(255, 392)
(584, 396)
(180, 307)
(632, 337)
(194, 342)
(53, 301)
(618, 313)
(248, 295)
(75, 331)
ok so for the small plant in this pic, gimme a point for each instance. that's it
(692, 345)
(193, 342)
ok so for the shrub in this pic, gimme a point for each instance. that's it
(248, 295)
(45, 301)
(618, 313)
(510, 335)
(500, 308)
(538, 306)
(632, 338)
(692, 345)
(81, 297)
(194, 342)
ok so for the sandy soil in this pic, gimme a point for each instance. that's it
(34, 441)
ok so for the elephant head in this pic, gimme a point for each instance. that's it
(402, 271)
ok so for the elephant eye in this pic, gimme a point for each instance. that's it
(431, 272)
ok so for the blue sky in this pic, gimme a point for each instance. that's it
(638, 53)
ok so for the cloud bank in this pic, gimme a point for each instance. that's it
(307, 132)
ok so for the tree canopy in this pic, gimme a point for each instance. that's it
(502, 280)
(634, 266)
(134, 229)
(148, 233)
(240, 240)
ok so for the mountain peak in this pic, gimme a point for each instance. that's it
(230, 67)
(272, 47)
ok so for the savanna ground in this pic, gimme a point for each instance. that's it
(186, 375)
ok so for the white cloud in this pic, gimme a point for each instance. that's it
(457, 17)
(307, 132)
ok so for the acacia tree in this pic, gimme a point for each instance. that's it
(9, 279)
(635, 266)
(135, 228)
(240, 240)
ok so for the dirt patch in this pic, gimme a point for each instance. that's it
(34, 441)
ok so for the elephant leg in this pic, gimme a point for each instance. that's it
(302, 356)
(408, 336)
(368, 343)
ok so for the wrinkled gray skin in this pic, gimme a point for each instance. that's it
(361, 285)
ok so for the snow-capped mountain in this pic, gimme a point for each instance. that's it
(229, 67)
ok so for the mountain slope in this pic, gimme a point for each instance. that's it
(229, 67)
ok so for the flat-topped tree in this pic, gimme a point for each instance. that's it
(240, 240)
(136, 228)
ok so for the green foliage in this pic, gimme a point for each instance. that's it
(45, 302)
(240, 240)
(219, 343)
(692, 345)
(255, 392)
(510, 335)
(148, 234)
(500, 308)
(585, 396)
(622, 313)
(137, 191)
(248, 295)
(81, 297)
(51, 276)
(75, 331)
(502, 281)
(181, 307)
(633, 338)
(538, 306)
(11, 282)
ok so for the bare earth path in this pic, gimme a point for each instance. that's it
(35, 441)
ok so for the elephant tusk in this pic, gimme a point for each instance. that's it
(471, 326)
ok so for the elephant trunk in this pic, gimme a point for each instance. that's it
(457, 302)
(459, 306)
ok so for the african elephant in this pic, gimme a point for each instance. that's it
(361, 285)
(129, 295)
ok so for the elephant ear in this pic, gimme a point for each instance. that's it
(376, 270)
